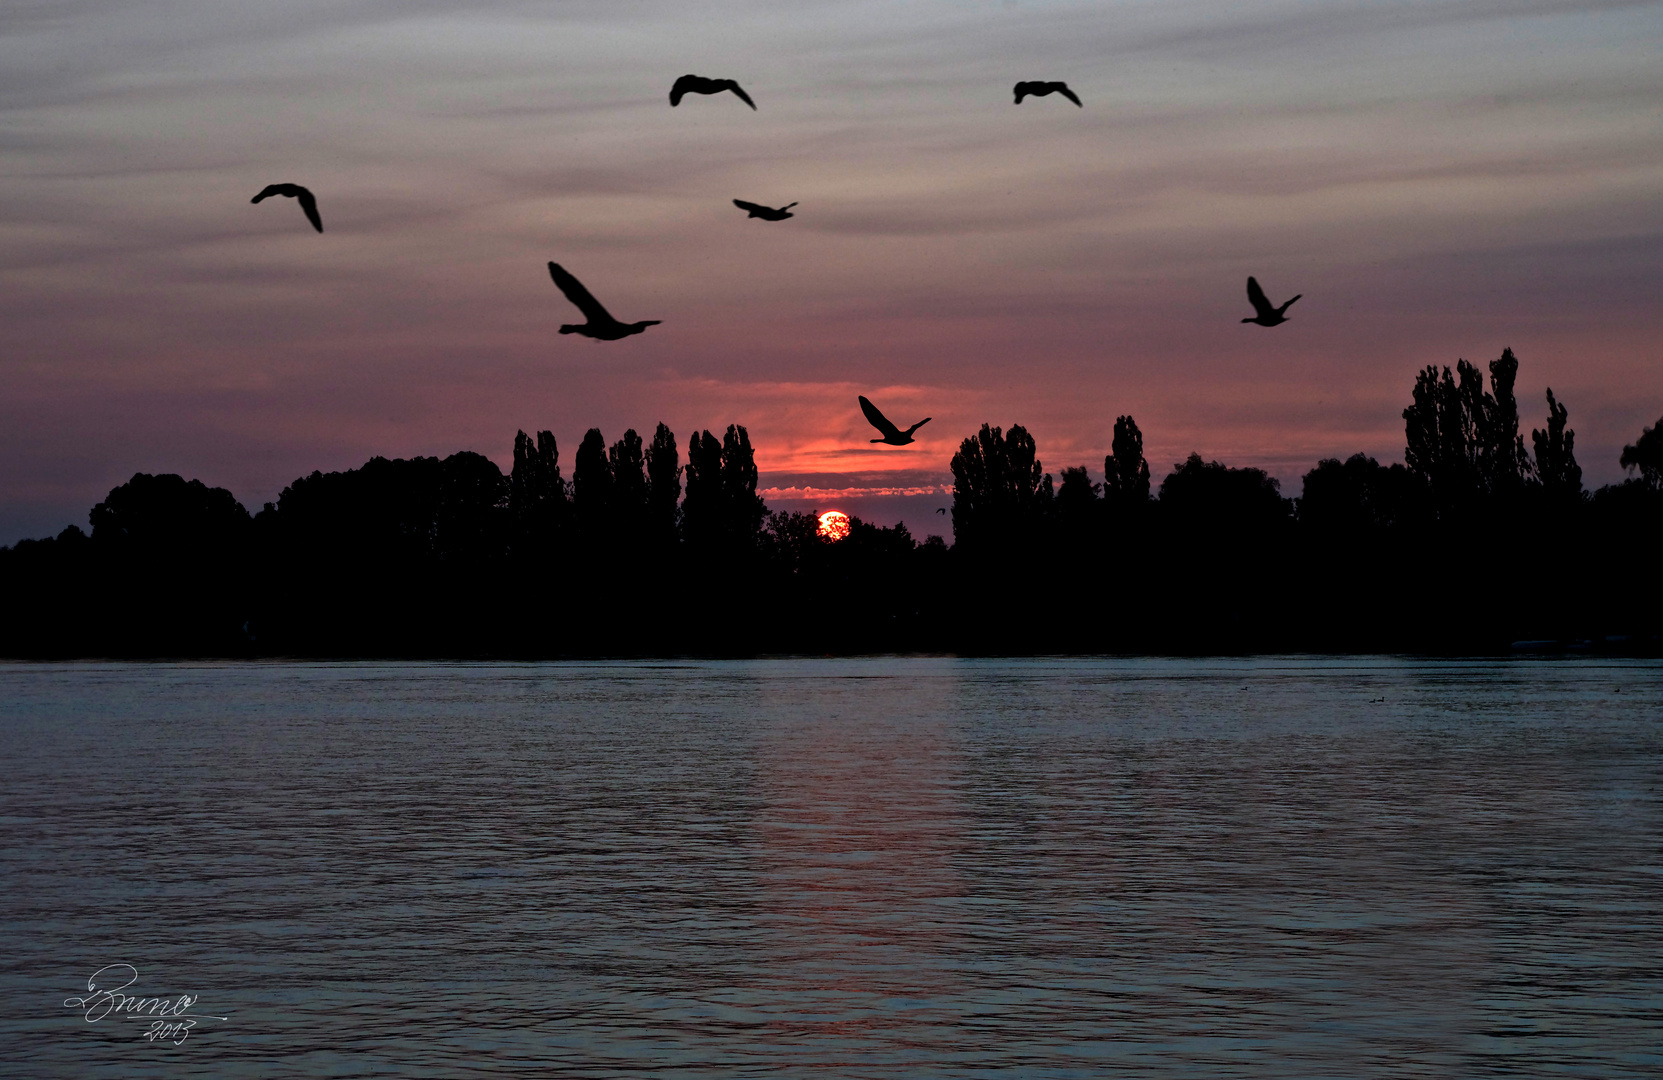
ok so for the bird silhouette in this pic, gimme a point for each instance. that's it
(941, 509)
(892, 435)
(308, 204)
(1044, 89)
(698, 84)
(764, 212)
(1268, 313)
(601, 325)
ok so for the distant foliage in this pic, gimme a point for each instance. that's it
(1646, 455)
(1356, 495)
(1469, 544)
(1207, 495)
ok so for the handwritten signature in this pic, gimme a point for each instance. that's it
(171, 1019)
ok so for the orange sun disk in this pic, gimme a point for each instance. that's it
(834, 525)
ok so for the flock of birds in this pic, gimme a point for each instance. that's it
(602, 326)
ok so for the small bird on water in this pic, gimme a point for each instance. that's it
(892, 435)
(766, 213)
(308, 204)
(1045, 89)
(698, 84)
(601, 325)
(1268, 313)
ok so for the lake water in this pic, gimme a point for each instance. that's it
(915, 867)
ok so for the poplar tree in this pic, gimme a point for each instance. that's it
(537, 499)
(663, 485)
(628, 509)
(1556, 467)
(1125, 472)
(592, 487)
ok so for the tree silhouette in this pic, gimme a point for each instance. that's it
(1556, 467)
(722, 509)
(663, 486)
(471, 522)
(171, 559)
(791, 541)
(629, 492)
(1208, 495)
(1077, 496)
(701, 512)
(431, 557)
(1000, 489)
(743, 507)
(1358, 495)
(1463, 443)
(1646, 454)
(1125, 472)
(168, 516)
(1503, 462)
(592, 490)
(537, 499)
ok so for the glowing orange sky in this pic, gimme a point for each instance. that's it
(1440, 179)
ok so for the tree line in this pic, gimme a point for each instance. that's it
(1472, 542)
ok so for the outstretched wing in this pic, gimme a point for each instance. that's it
(268, 192)
(1256, 297)
(748, 207)
(878, 419)
(687, 84)
(578, 295)
(309, 205)
(1062, 88)
(1289, 304)
(918, 425)
(740, 93)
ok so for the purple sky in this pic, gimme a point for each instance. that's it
(1440, 179)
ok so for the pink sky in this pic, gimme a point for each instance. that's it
(1439, 179)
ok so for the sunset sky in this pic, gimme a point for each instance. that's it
(1439, 178)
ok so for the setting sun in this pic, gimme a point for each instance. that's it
(834, 525)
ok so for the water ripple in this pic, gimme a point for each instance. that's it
(862, 868)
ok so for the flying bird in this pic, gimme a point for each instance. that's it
(892, 435)
(294, 191)
(1268, 313)
(601, 325)
(764, 212)
(941, 509)
(698, 84)
(1044, 89)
